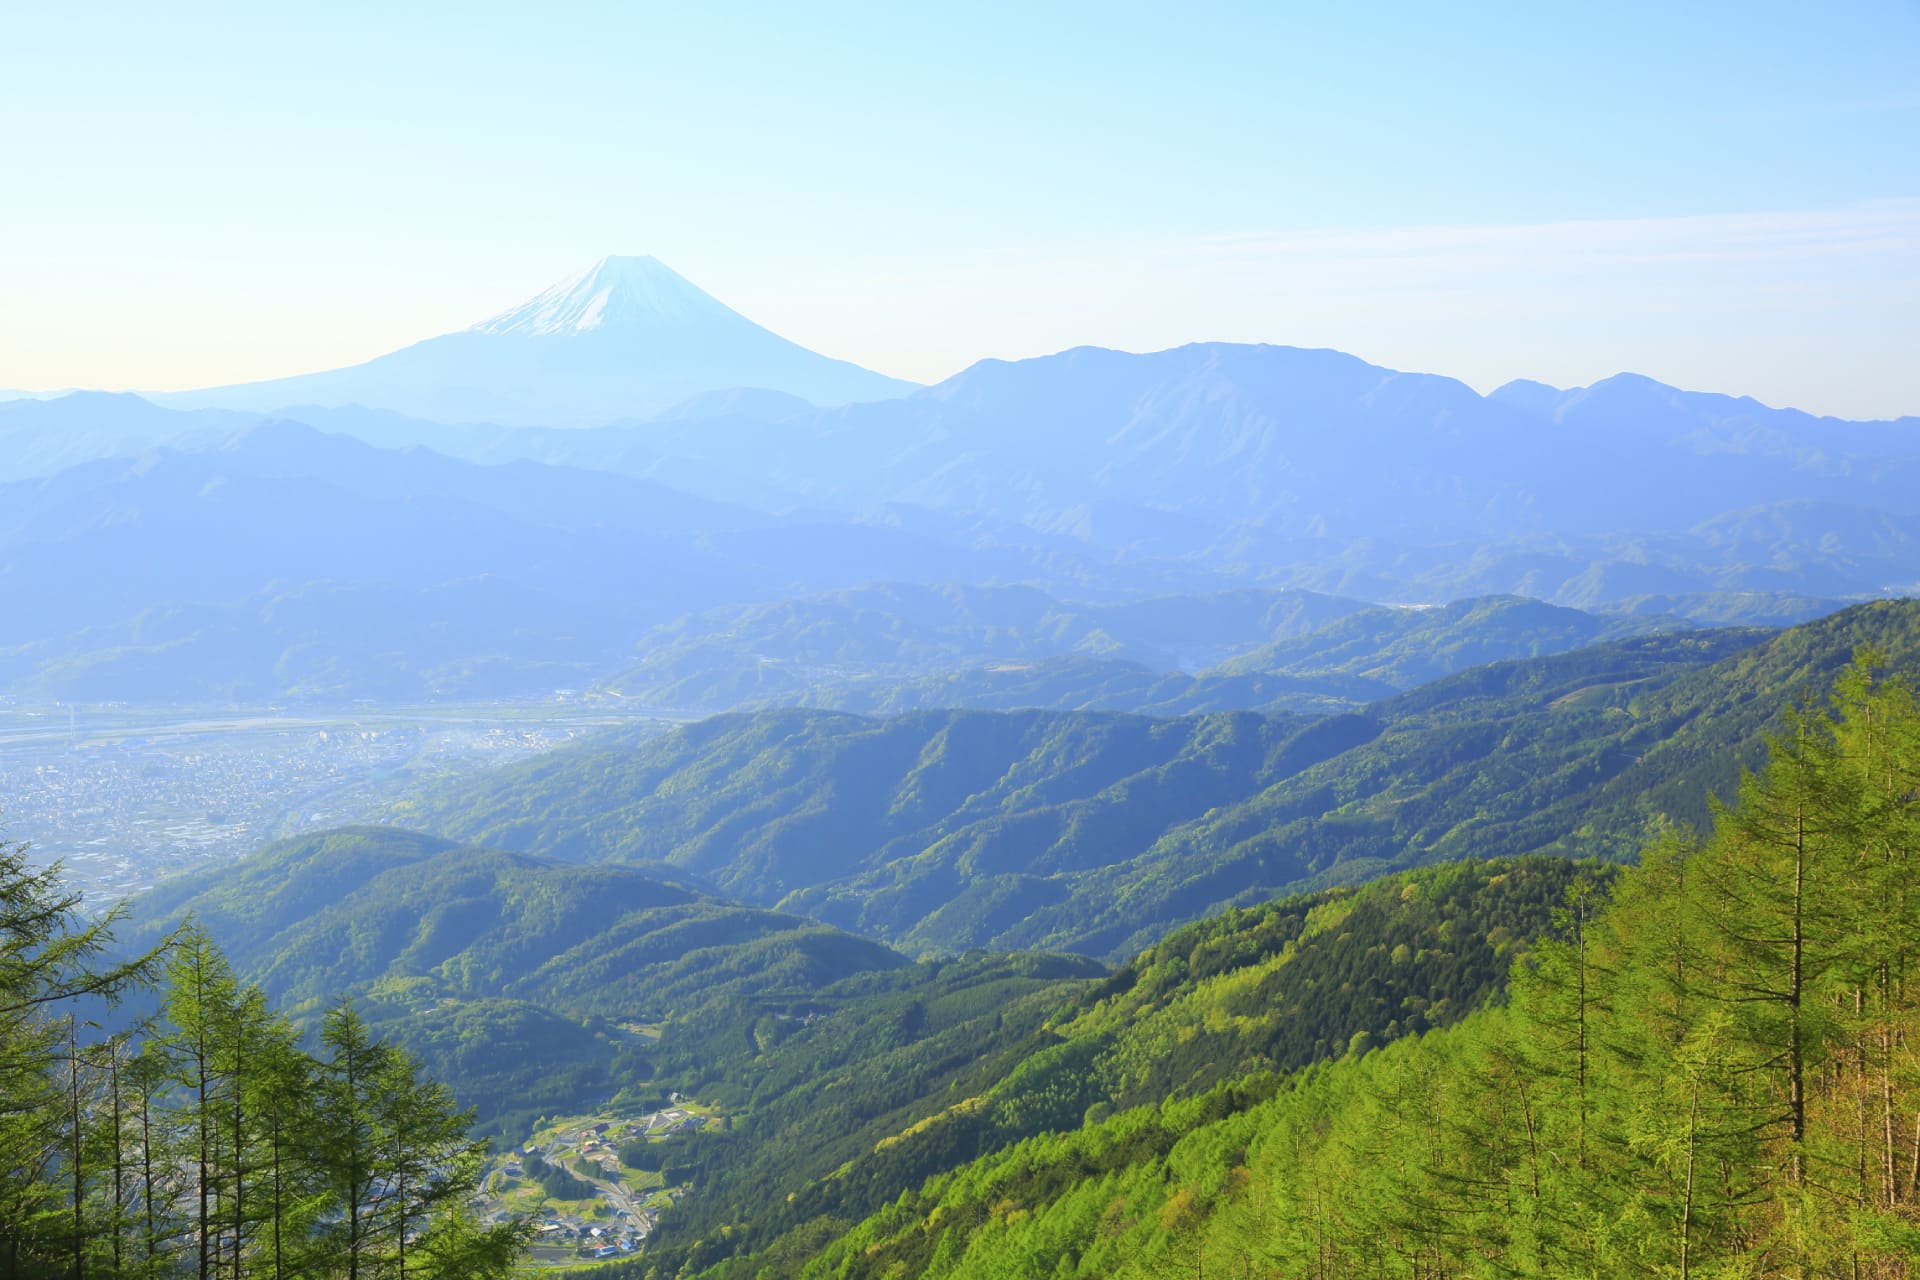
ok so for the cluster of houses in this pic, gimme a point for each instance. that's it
(658, 1125)
(594, 1240)
(662, 1123)
(600, 1143)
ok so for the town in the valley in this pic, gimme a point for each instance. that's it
(594, 1185)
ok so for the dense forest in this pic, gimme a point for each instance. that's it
(893, 647)
(1099, 832)
(1519, 1055)
(909, 1074)
(505, 974)
(1708, 1071)
(207, 1140)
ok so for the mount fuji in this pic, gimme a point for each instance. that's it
(626, 338)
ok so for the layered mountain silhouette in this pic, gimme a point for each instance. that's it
(626, 338)
(224, 562)
(1298, 444)
(286, 561)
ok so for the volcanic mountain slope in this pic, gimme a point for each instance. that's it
(627, 337)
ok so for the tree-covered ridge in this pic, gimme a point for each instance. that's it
(1713, 1074)
(1403, 648)
(1094, 684)
(1296, 981)
(203, 1139)
(508, 975)
(807, 803)
(899, 1076)
(315, 916)
(1097, 832)
(893, 648)
(888, 633)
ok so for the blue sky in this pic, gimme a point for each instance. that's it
(1722, 196)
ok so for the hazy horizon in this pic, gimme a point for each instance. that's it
(1716, 202)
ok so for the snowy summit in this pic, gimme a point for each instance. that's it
(627, 338)
(613, 293)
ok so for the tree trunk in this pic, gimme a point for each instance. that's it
(79, 1171)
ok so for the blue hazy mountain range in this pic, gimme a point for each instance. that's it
(286, 561)
(1307, 444)
(627, 336)
(369, 548)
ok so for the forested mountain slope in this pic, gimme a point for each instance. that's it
(208, 1136)
(1408, 647)
(1093, 684)
(904, 1075)
(850, 1073)
(1712, 1075)
(893, 647)
(1097, 832)
(785, 652)
(507, 973)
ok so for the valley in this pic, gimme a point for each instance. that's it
(594, 1184)
(126, 796)
(632, 949)
(986, 642)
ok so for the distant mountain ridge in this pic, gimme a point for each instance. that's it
(42, 435)
(785, 652)
(1408, 647)
(1093, 476)
(1306, 468)
(1275, 466)
(283, 561)
(625, 338)
(942, 830)
(892, 647)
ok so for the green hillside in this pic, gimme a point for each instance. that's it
(943, 828)
(902, 1076)
(1407, 647)
(315, 916)
(1097, 832)
(891, 649)
(874, 1098)
(1094, 684)
(781, 653)
(848, 1080)
(509, 975)
(1711, 1076)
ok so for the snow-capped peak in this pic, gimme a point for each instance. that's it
(613, 292)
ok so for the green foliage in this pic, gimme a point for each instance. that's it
(871, 648)
(502, 973)
(50, 964)
(1095, 684)
(647, 1157)
(204, 1140)
(1713, 1073)
(901, 1076)
(1096, 832)
(1402, 648)
(559, 1182)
